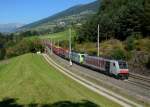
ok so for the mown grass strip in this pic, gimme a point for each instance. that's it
(32, 81)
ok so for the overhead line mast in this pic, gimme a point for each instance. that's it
(70, 62)
(98, 41)
(51, 46)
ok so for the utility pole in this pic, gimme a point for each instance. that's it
(98, 42)
(58, 47)
(54, 43)
(58, 43)
(51, 46)
(70, 62)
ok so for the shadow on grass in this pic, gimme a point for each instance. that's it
(10, 102)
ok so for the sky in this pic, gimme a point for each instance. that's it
(27, 11)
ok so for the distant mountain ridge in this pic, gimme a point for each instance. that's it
(10, 27)
(76, 13)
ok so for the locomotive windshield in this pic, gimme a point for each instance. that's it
(82, 56)
(123, 65)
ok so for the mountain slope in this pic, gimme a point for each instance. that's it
(74, 14)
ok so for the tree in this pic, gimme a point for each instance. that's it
(2, 53)
(117, 18)
(146, 19)
(130, 21)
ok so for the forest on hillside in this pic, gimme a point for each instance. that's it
(124, 32)
(118, 19)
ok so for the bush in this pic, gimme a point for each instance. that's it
(36, 46)
(2, 53)
(119, 54)
(132, 41)
(143, 45)
(24, 46)
(18, 49)
(64, 44)
(148, 63)
(130, 45)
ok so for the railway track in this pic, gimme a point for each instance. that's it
(139, 92)
(139, 77)
(100, 90)
(139, 84)
(140, 81)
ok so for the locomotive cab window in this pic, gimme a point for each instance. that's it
(123, 65)
(82, 56)
(114, 64)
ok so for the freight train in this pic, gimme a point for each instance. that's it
(117, 68)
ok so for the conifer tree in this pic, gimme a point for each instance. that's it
(146, 18)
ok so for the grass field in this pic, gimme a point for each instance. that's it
(29, 80)
(56, 36)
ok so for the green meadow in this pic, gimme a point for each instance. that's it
(28, 80)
